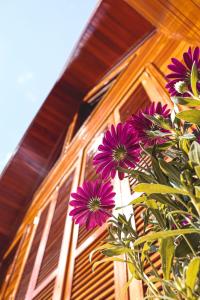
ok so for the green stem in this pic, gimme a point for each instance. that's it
(178, 198)
(187, 241)
(143, 276)
(184, 213)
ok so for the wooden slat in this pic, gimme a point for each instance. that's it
(82, 282)
(47, 292)
(138, 100)
(92, 285)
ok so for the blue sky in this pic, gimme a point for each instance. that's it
(36, 39)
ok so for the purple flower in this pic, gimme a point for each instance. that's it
(141, 125)
(93, 203)
(185, 223)
(119, 149)
(181, 72)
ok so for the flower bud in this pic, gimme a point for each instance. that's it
(181, 87)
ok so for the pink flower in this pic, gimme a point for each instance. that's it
(142, 126)
(120, 149)
(93, 203)
(181, 72)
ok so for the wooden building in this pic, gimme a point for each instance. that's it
(117, 67)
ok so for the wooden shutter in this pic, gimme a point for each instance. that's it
(14, 272)
(53, 246)
(46, 269)
(88, 285)
(31, 257)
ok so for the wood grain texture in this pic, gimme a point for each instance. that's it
(92, 285)
(175, 18)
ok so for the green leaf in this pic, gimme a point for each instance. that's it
(192, 272)
(158, 189)
(194, 153)
(182, 249)
(197, 191)
(152, 204)
(115, 251)
(158, 172)
(159, 120)
(103, 247)
(187, 101)
(192, 116)
(154, 133)
(175, 121)
(133, 270)
(167, 253)
(185, 145)
(170, 171)
(165, 145)
(164, 234)
(108, 259)
(194, 79)
(197, 171)
(141, 176)
(164, 199)
(138, 200)
(145, 249)
(156, 212)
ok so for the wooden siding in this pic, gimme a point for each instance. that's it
(140, 80)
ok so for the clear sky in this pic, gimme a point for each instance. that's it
(36, 39)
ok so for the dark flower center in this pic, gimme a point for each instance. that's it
(154, 127)
(120, 153)
(94, 204)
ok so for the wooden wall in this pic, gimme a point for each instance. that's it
(51, 260)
